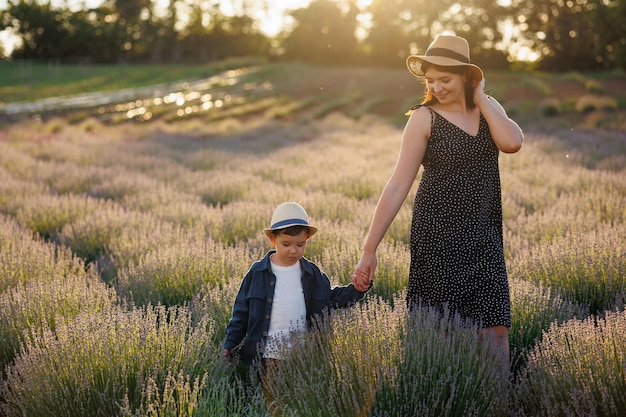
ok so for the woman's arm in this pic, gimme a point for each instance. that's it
(506, 134)
(414, 142)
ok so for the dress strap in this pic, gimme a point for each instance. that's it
(417, 106)
(412, 109)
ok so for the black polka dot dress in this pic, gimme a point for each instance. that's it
(457, 256)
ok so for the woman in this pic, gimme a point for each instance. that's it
(457, 132)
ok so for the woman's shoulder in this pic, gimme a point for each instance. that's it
(414, 108)
(421, 115)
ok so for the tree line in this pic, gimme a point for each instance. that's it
(565, 34)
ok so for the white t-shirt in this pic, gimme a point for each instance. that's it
(288, 310)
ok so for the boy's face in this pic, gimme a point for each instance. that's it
(289, 249)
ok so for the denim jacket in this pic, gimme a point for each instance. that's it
(252, 309)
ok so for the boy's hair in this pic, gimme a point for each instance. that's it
(292, 230)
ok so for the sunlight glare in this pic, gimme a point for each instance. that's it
(274, 18)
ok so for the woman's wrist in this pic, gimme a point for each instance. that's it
(368, 249)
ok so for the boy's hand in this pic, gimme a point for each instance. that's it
(231, 355)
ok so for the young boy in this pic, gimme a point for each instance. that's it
(282, 292)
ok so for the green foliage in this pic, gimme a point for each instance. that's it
(46, 214)
(577, 369)
(229, 396)
(40, 285)
(443, 369)
(179, 397)
(586, 269)
(534, 309)
(338, 369)
(126, 358)
(172, 275)
(377, 360)
(551, 107)
(216, 303)
(115, 237)
(45, 301)
(329, 32)
(594, 87)
(367, 106)
(334, 104)
(327, 29)
(119, 31)
(24, 258)
(28, 80)
(575, 37)
(588, 103)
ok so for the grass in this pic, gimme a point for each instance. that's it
(28, 80)
(123, 243)
(228, 91)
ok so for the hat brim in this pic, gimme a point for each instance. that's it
(414, 64)
(312, 229)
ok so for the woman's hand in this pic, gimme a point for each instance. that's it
(479, 92)
(506, 134)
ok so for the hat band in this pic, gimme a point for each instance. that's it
(289, 222)
(447, 53)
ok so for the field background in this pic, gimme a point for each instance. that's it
(131, 207)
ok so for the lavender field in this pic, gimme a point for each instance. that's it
(122, 246)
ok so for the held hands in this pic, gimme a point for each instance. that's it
(363, 276)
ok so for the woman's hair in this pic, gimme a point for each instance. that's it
(429, 98)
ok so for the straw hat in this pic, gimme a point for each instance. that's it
(289, 214)
(445, 51)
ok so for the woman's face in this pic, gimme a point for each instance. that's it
(446, 87)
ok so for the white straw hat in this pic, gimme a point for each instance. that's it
(445, 51)
(289, 214)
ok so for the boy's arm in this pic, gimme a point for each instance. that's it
(343, 296)
(238, 324)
